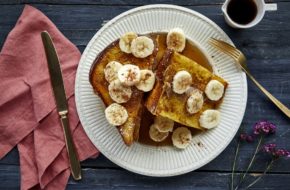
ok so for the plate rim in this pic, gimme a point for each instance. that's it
(147, 172)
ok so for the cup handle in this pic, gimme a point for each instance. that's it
(271, 7)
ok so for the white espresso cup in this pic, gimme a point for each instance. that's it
(261, 8)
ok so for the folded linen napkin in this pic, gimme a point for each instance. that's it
(28, 116)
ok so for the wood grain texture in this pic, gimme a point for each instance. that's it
(122, 179)
(266, 46)
(257, 43)
(122, 2)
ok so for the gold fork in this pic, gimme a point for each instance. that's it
(239, 57)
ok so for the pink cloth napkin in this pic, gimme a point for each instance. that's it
(28, 116)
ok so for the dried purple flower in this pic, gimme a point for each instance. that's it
(246, 137)
(276, 153)
(243, 136)
(282, 153)
(264, 127)
(250, 138)
(269, 148)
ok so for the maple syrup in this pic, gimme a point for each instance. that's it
(242, 11)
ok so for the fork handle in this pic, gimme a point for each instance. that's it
(281, 106)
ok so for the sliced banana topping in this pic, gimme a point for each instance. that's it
(209, 119)
(118, 92)
(155, 135)
(181, 137)
(116, 114)
(181, 82)
(111, 71)
(194, 102)
(147, 80)
(142, 47)
(126, 40)
(176, 39)
(163, 124)
(214, 90)
(129, 75)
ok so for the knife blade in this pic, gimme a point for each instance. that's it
(60, 100)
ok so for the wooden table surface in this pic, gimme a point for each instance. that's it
(267, 47)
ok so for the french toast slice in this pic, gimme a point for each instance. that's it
(130, 129)
(164, 102)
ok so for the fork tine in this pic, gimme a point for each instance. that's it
(234, 53)
(225, 49)
(225, 44)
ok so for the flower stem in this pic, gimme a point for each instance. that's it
(266, 170)
(234, 164)
(251, 162)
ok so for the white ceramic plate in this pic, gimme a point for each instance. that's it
(161, 161)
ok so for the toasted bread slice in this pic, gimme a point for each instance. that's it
(163, 101)
(130, 129)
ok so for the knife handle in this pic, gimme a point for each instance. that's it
(73, 158)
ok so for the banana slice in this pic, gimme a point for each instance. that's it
(214, 90)
(111, 71)
(147, 81)
(126, 40)
(129, 75)
(181, 82)
(176, 39)
(142, 47)
(163, 124)
(155, 135)
(209, 119)
(181, 137)
(194, 102)
(116, 114)
(118, 92)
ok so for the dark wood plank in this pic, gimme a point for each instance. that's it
(116, 2)
(257, 42)
(121, 2)
(198, 180)
(121, 179)
(266, 46)
(10, 2)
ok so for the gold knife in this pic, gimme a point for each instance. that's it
(61, 103)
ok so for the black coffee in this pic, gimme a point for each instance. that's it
(242, 11)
